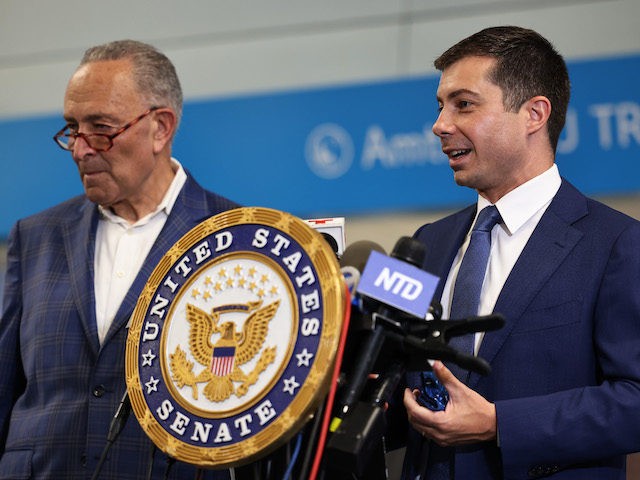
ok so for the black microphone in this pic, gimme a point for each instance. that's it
(407, 329)
(352, 263)
(358, 426)
(357, 254)
(332, 242)
(408, 250)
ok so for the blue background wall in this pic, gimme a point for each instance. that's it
(357, 149)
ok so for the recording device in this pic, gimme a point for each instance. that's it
(432, 394)
(395, 288)
(357, 254)
(353, 260)
(352, 264)
(403, 331)
(332, 229)
(389, 288)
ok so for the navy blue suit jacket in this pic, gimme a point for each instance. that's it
(59, 388)
(565, 374)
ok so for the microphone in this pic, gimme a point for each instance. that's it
(357, 254)
(408, 326)
(383, 279)
(358, 426)
(398, 281)
(352, 263)
(332, 230)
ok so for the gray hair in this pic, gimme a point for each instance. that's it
(153, 72)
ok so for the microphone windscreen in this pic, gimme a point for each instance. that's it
(409, 250)
(351, 277)
(357, 254)
(331, 241)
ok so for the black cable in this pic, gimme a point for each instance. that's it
(317, 421)
(152, 455)
(115, 428)
(170, 463)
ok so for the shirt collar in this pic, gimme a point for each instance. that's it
(522, 203)
(165, 205)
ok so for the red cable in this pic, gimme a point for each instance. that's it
(334, 386)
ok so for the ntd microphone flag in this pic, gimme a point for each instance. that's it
(398, 284)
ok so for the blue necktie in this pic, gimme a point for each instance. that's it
(466, 298)
(466, 293)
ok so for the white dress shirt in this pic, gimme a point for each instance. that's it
(121, 248)
(521, 210)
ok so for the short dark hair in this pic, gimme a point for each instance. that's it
(153, 72)
(527, 65)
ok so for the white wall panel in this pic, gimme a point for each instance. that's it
(35, 26)
(228, 48)
(230, 68)
(274, 64)
(582, 30)
(34, 89)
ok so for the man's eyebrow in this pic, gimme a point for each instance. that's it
(458, 93)
(94, 117)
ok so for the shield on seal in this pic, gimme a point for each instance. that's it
(223, 360)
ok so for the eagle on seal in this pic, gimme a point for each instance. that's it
(230, 351)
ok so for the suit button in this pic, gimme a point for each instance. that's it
(536, 472)
(98, 391)
(83, 460)
(543, 471)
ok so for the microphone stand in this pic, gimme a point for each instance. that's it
(409, 344)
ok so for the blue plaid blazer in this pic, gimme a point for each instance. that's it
(59, 389)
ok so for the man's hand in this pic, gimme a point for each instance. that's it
(468, 418)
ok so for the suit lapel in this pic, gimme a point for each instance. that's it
(552, 240)
(79, 235)
(442, 246)
(189, 210)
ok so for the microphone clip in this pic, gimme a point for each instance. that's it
(419, 340)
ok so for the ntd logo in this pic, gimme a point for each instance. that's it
(398, 284)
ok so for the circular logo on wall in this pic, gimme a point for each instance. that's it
(230, 342)
(329, 151)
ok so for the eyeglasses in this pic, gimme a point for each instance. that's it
(101, 142)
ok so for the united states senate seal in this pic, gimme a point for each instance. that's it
(232, 340)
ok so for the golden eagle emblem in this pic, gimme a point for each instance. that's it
(222, 359)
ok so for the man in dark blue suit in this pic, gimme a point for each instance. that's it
(563, 396)
(75, 272)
